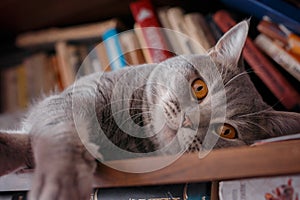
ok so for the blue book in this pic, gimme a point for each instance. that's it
(114, 50)
(279, 11)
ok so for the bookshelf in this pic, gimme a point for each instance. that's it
(274, 159)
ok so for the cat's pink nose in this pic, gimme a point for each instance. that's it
(190, 119)
(187, 123)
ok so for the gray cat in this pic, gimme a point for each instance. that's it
(184, 104)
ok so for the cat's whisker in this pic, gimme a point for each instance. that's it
(122, 110)
(257, 125)
(255, 114)
(132, 117)
(235, 77)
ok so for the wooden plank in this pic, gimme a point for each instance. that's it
(52, 35)
(272, 159)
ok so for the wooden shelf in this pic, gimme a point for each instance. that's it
(273, 159)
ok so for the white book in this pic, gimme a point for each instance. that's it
(274, 188)
(279, 55)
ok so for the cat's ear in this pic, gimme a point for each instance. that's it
(229, 48)
(282, 123)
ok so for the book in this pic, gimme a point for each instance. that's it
(278, 54)
(272, 30)
(51, 78)
(290, 40)
(268, 188)
(54, 65)
(176, 18)
(9, 81)
(93, 58)
(131, 48)
(113, 49)
(155, 41)
(22, 89)
(142, 41)
(35, 66)
(283, 14)
(73, 58)
(191, 191)
(216, 32)
(170, 36)
(264, 69)
(197, 29)
(201, 24)
(19, 195)
(102, 57)
(66, 71)
(293, 40)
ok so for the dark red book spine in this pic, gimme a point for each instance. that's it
(273, 79)
(145, 15)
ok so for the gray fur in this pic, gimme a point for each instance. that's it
(141, 110)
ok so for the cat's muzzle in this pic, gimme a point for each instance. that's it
(187, 122)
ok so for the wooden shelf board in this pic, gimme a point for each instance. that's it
(273, 159)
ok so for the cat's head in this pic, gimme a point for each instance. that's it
(210, 99)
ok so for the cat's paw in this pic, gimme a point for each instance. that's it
(63, 180)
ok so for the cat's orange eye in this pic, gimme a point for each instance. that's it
(199, 89)
(227, 131)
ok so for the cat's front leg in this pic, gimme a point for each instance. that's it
(64, 168)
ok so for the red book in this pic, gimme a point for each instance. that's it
(145, 16)
(263, 68)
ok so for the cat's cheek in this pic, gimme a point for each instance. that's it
(165, 136)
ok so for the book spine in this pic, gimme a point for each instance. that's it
(165, 23)
(50, 76)
(131, 48)
(94, 60)
(215, 30)
(10, 96)
(142, 41)
(281, 33)
(103, 57)
(195, 24)
(145, 16)
(31, 88)
(268, 188)
(294, 43)
(176, 19)
(66, 71)
(22, 86)
(279, 55)
(259, 9)
(54, 64)
(113, 48)
(273, 79)
(192, 191)
(272, 30)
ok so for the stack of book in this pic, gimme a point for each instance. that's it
(158, 34)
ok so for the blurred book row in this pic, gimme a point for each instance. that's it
(59, 56)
